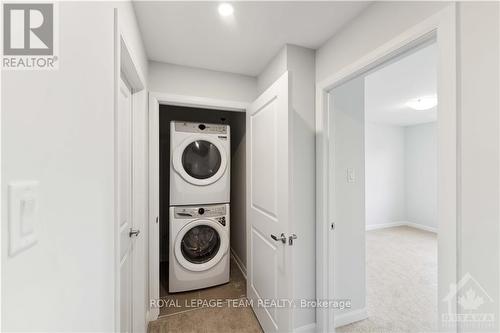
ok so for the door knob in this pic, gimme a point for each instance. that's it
(134, 232)
(291, 238)
(282, 238)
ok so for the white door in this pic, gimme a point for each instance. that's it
(268, 207)
(124, 194)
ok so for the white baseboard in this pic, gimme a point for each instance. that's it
(350, 317)
(152, 314)
(400, 224)
(421, 227)
(385, 225)
(309, 328)
(239, 263)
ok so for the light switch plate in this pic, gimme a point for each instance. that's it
(23, 215)
(351, 175)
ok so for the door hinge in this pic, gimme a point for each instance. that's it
(156, 220)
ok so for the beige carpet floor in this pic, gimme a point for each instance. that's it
(401, 282)
(206, 319)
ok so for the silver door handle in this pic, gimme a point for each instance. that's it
(282, 238)
(291, 238)
(134, 232)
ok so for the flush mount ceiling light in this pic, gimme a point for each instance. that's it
(422, 103)
(226, 9)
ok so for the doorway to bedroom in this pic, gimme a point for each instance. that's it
(386, 185)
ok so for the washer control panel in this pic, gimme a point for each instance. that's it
(201, 128)
(193, 212)
(221, 220)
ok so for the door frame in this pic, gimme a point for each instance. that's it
(442, 27)
(155, 100)
(124, 67)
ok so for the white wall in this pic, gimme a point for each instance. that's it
(301, 64)
(45, 138)
(421, 175)
(182, 80)
(273, 70)
(385, 174)
(479, 196)
(238, 204)
(347, 207)
(401, 175)
(478, 127)
(376, 25)
(57, 127)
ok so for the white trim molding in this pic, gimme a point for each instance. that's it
(309, 328)
(239, 263)
(200, 102)
(350, 317)
(126, 68)
(422, 227)
(442, 28)
(385, 225)
(155, 100)
(400, 224)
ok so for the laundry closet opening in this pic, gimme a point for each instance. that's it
(202, 222)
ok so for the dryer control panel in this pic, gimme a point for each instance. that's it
(199, 212)
(201, 128)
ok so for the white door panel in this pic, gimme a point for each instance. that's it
(264, 181)
(124, 188)
(268, 207)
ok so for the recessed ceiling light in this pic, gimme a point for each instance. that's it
(226, 9)
(422, 103)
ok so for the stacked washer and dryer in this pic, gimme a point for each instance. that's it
(199, 205)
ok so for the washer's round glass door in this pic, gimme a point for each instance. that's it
(200, 244)
(201, 159)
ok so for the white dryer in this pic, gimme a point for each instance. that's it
(199, 247)
(200, 158)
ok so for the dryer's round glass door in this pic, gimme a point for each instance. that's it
(201, 159)
(200, 244)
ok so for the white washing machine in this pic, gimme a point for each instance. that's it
(200, 158)
(198, 247)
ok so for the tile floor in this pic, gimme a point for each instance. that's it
(185, 316)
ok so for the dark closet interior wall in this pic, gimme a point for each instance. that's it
(237, 122)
